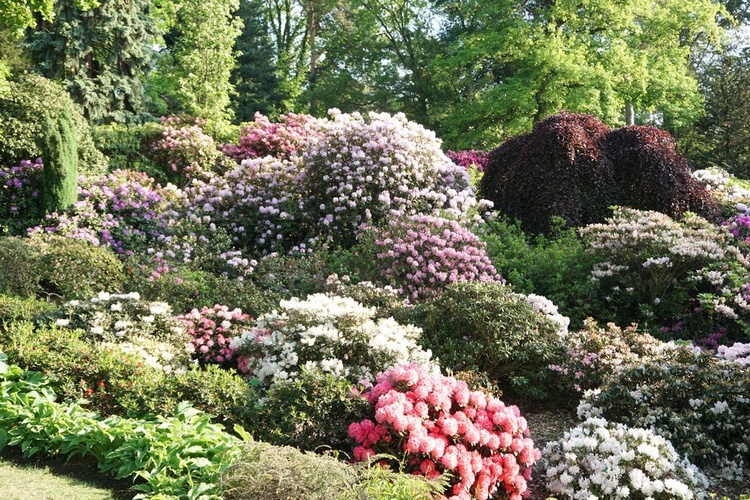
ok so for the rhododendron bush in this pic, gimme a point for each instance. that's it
(684, 276)
(333, 334)
(441, 427)
(212, 330)
(693, 398)
(598, 459)
(423, 254)
(282, 140)
(145, 329)
(365, 169)
(350, 170)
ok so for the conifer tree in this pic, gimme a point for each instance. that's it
(102, 55)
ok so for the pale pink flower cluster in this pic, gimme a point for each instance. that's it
(423, 254)
(368, 168)
(212, 329)
(444, 428)
(184, 151)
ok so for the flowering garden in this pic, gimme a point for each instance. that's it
(338, 298)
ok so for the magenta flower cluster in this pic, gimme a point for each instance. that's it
(468, 157)
(423, 254)
(442, 427)
(739, 225)
(184, 151)
(282, 139)
(20, 187)
(212, 329)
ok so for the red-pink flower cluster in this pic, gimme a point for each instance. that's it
(443, 427)
(212, 330)
(282, 139)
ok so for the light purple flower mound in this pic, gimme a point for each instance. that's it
(367, 169)
(20, 186)
(119, 210)
(423, 254)
(257, 203)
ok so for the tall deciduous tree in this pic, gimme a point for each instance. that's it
(102, 54)
(722, 136)
(203, 56)
(517, 62)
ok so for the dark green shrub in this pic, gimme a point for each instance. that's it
(556, 265)
(60, 153)
(129, 147)
(29, 98)
(285, 473)
(487, 328)
(54, 265)
(311, 413)
(115, 382)
(19, 272)
(15, 309)
(76, 269)
(186, 289)
(215, 390)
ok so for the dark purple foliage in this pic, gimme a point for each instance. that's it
(573, 166)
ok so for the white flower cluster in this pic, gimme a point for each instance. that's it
(148, 328)
(334, 334)
(599, 459)
(546, 307)
(689, 397)
(629, 232)
(738, 353)
(719, 182)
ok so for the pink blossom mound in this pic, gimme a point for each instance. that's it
(282, 139)
(443, 427)
(423, 254)
(184, 151)
(212, 329)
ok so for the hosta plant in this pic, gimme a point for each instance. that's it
(599, 459)
(437, 426)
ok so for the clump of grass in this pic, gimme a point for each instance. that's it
(285, 473)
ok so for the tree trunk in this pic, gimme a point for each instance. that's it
(629, 114)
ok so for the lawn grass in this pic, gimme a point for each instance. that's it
(54, 479)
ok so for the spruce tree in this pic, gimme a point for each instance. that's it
(102, 55)
(254, 77)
